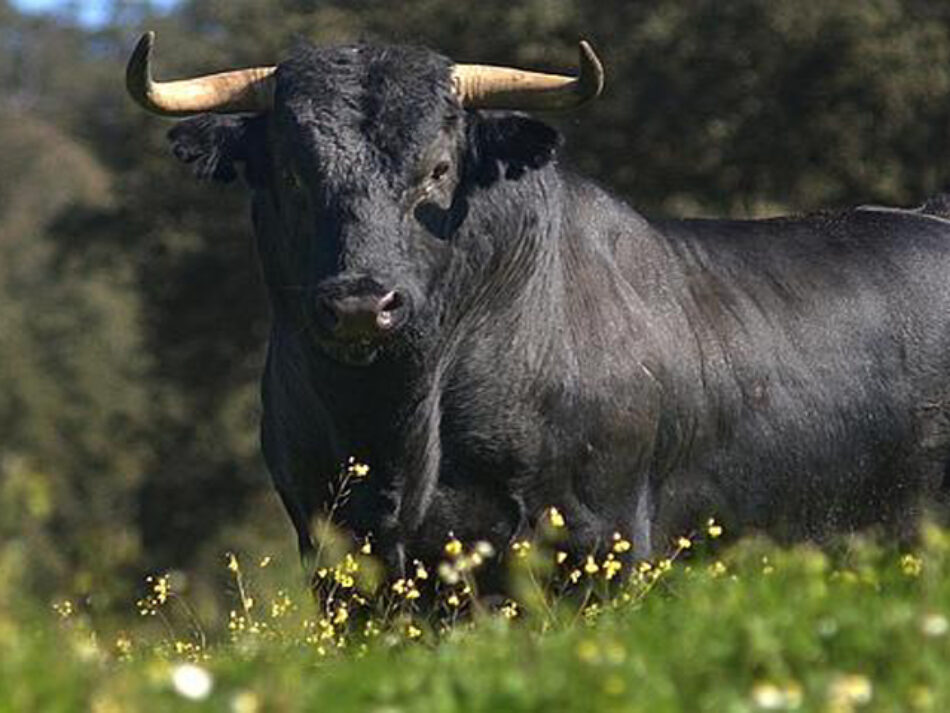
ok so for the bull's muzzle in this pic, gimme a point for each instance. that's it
(361, 318)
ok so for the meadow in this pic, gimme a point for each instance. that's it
(748, 626)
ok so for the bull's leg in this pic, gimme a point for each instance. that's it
(301, 522)
(643, 522)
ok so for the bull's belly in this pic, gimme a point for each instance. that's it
(790, 480)
(814, 487)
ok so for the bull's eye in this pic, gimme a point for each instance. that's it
(441, 170)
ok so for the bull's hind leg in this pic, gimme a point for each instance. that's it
(643, 521)
(684, 504)
(929, 467)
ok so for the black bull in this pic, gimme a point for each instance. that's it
(495, 335)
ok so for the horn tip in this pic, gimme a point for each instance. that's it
(138, 74)
(142, 53)
(592, 71)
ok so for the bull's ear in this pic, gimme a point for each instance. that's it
(214, 144)
(517, 142)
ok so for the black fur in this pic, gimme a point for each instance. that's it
(788, 375)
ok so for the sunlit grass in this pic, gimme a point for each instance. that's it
(859, 626)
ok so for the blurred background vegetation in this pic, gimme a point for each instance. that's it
(132, 320)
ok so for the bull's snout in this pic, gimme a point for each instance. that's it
(361, 317)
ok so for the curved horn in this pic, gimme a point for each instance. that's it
(242, 90)
(482, 86)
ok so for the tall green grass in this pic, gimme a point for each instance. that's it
(749, 628)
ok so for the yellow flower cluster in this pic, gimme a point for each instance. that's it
(123, 647)
(65, 609)
(353, 605)
(405, 588)
(355, 469)
(847, 692)
(281, 605)
(158, 595)
(911, 565)
(773, 697)
(462, 563)
(620, 545)
(521, 548)
(509, 609)
(343, 573)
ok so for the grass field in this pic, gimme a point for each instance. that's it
(747, 627)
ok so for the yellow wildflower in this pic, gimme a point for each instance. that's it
(850, 690)
(521, 548)
(64, 609)
(555, 517)
(611, 567)
(911, 565)
(161, 588)
(620, 544)
(590, 566)
(453, 548)
(448, 573)
(484, 549)
(355, 469)
(123, 646)
(509, 610)
(341, 615)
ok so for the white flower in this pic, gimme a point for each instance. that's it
(192, 681)
(934, 625)
(767, 696)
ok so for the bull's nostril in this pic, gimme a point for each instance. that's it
(387, 307)
(390, 302)
(326, 315)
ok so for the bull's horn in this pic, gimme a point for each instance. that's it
(241, 90)
(487, 87)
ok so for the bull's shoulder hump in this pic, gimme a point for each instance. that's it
(828, 224)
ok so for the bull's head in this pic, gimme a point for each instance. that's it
(357, 155)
